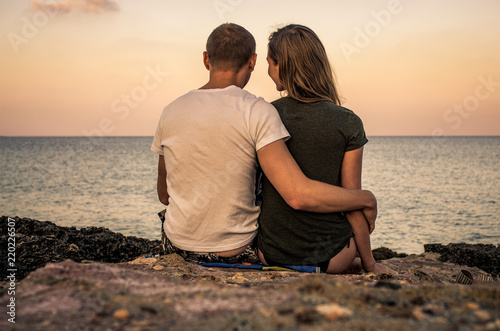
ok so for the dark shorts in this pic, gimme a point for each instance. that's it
(249, 255)
(323, 266)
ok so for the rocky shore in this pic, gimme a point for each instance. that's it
(38, 243)
(94, 279)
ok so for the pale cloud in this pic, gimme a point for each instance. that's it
(65, 6)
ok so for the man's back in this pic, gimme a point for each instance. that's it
(209, 139)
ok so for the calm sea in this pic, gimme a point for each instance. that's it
(430, 190)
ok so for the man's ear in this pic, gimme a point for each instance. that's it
(252, 62)
(206, 61)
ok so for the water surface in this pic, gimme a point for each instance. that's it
(429, 190)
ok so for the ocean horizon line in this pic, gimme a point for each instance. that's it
(151, 136)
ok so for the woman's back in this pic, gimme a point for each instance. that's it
(321, 132)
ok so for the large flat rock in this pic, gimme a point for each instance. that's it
(95, 279)
(166, 293)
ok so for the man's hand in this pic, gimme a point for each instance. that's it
(302, 193)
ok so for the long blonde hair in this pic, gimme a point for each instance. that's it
(304, 69)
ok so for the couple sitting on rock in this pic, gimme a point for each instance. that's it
(213, 140)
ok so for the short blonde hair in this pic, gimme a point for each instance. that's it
(304, 69)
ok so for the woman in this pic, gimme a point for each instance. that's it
(327, 142)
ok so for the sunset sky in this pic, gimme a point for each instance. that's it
(108, 67)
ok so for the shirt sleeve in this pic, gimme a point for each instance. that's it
(265, 125)
(357, 137)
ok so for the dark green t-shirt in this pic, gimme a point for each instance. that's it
(321, 132)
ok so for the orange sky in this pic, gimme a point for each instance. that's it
(108, 67)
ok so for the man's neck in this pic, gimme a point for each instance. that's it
(223, 79)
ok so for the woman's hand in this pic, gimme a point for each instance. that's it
(371, 213)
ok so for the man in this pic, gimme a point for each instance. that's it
(208, 142)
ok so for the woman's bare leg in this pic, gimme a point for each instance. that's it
(345, 261)
(261, 257)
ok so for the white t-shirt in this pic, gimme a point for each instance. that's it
(209, 140)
